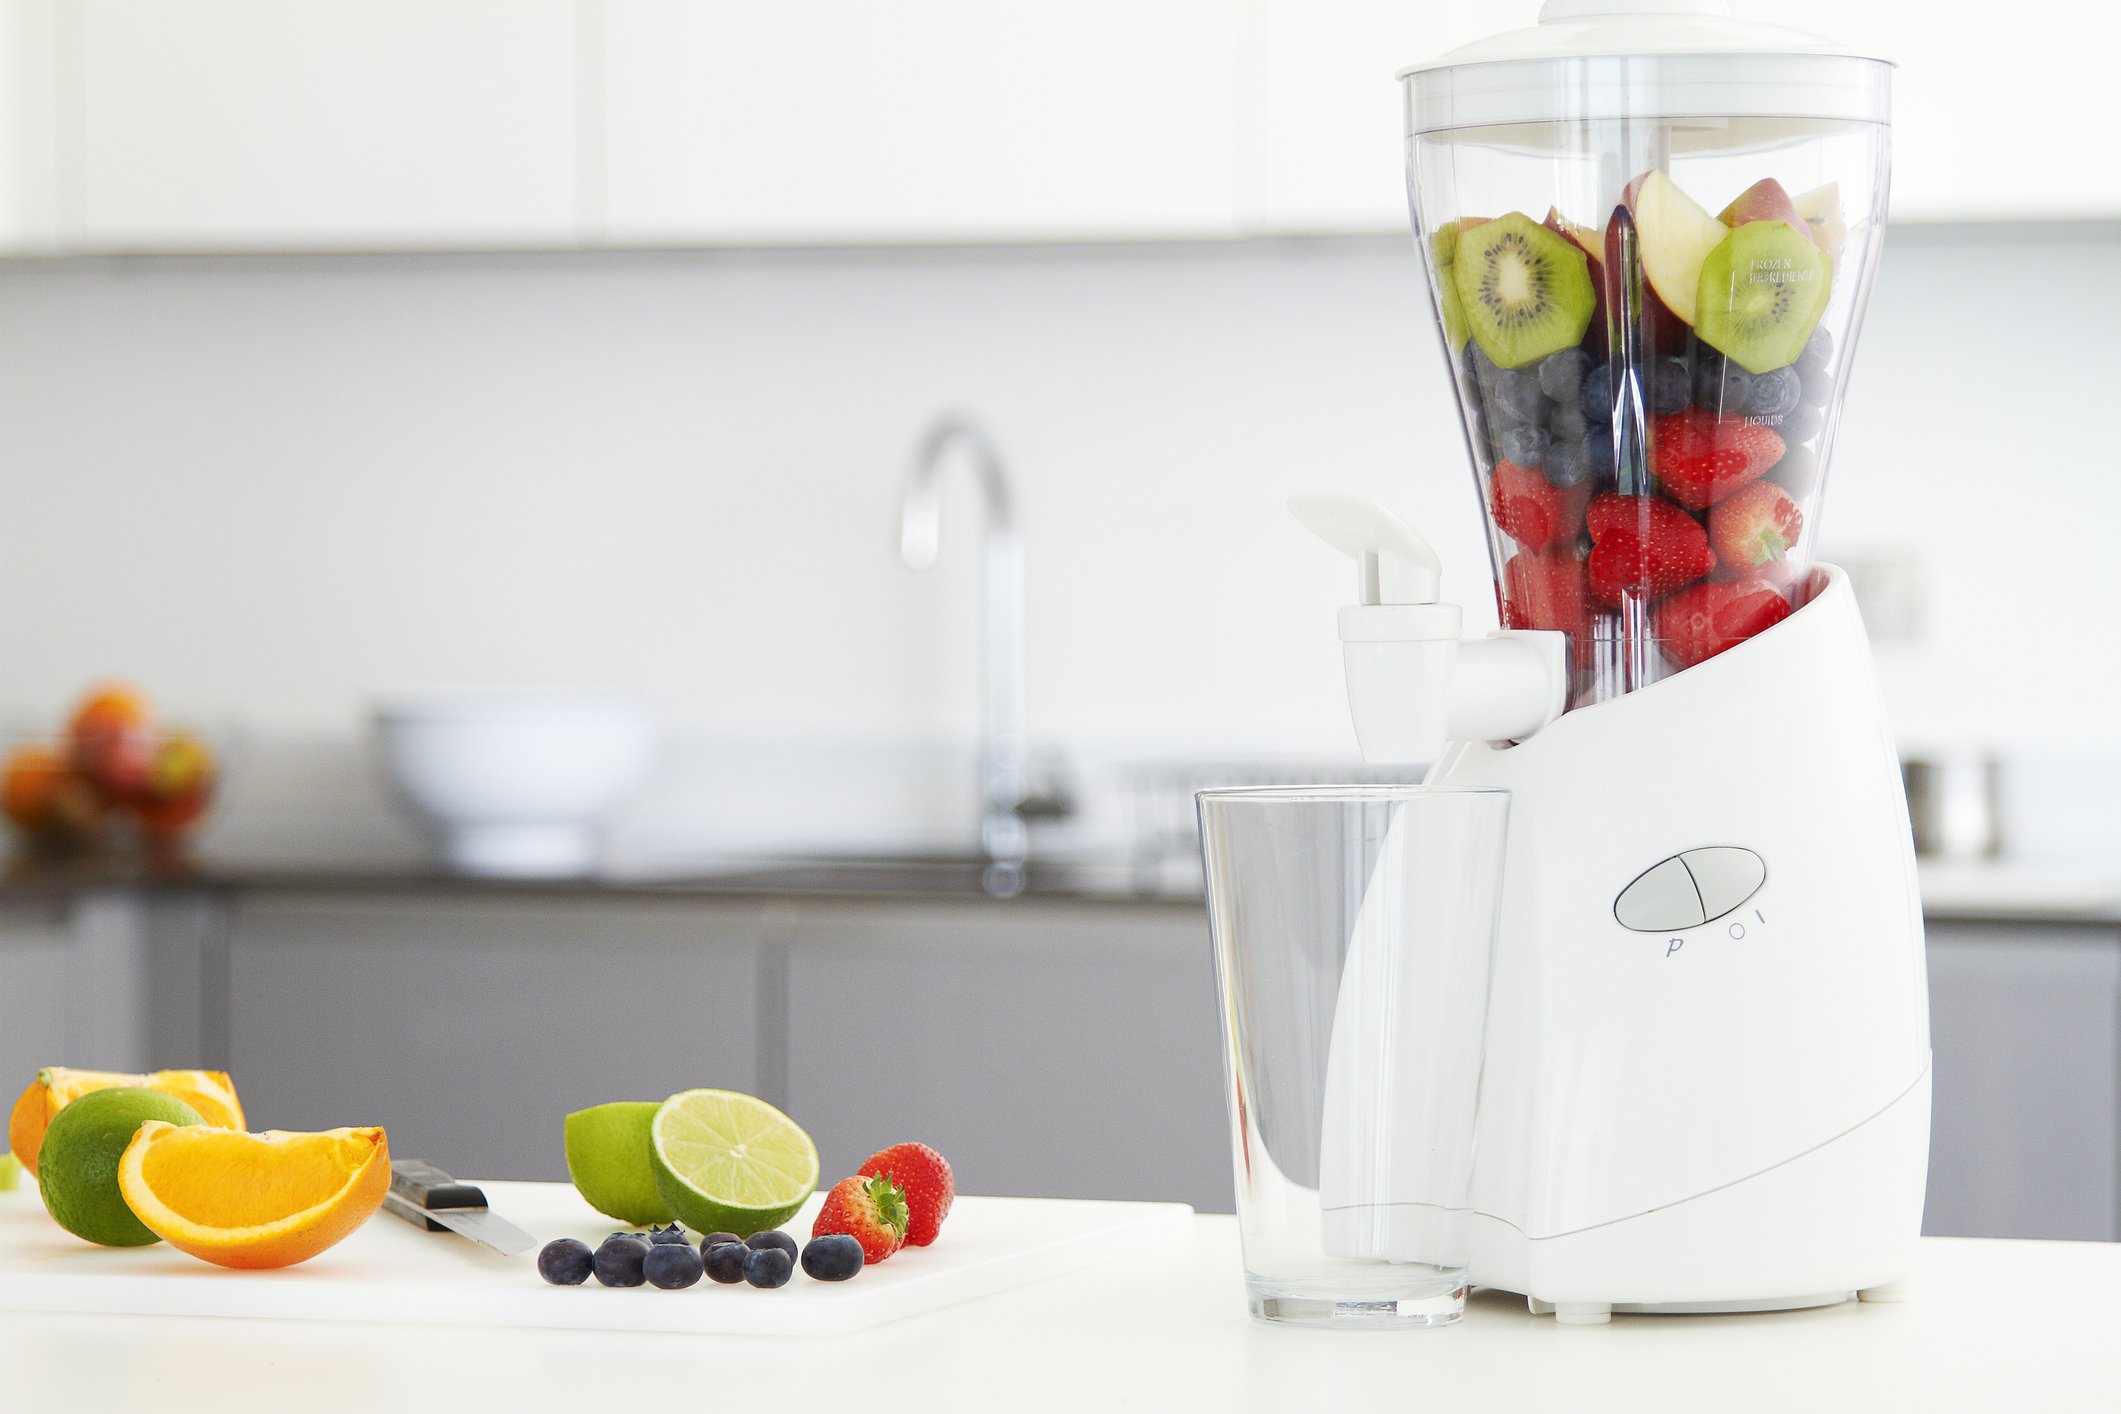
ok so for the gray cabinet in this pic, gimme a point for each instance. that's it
(1048, 1048)
(469, 1027)
(107, 979)
(2026, 1128)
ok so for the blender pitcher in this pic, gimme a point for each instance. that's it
(1649, 230)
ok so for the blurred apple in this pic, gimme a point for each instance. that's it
(111, 731)
(179, 783)
(29, 785)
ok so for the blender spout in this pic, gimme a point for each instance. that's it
(1415, 684)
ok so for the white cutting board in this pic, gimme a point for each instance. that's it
(390, 1271)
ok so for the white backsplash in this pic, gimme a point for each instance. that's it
(263, 487)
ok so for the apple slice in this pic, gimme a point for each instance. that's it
(1674, 236)
(1821, 209)
(1764, 200)
(1660, 330)
(1591, 241)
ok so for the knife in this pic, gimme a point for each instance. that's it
(431, 1200)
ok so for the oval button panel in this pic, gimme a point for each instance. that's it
(1693, 887)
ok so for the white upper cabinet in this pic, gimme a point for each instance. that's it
(2000, 113)
(29, 145)
(263, 125)
(1321, 120)
(325, 124)
(848, 121)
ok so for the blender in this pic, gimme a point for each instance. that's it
(1649, 229)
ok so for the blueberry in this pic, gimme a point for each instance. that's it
(1818, 387)
(1480, 369)
(833, 1257)
(1797, 472)
(1670, 385)
(1597, 395)
(1567, 422)
(618, 1262)
(1568, 464)
(669, 1236)
(772, 1237)
(1774, 393)
(1598, 446)
(725, 1262)
(673, 1267)
(1818, 352)
(1527, 446)
(1800, 422)
(1561, 374)
(1721, 385)
(565, 1261)
(769, 1267)
(1517, 393)
(716, 1239)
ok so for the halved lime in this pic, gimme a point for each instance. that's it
(607, 1157)
(727, 1162)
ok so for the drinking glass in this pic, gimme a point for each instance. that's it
(1353, 930)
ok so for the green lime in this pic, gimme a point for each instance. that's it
(727, 1162)
(77, 1169)
(607, 1157)
(10, 1171)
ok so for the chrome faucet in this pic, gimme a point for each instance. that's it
(1006, 796)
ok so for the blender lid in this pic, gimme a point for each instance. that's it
(1608, 59)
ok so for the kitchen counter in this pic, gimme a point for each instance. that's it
(1992, 1325)
(2002, 891)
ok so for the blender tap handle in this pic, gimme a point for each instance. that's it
(1394, 565)
(1414, 685)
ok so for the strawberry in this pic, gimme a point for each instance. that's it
(924, 1175)
(871, 1210)
(1643, 543)
(1701, 621)
(1546, 589)
(1701, 458)
(1755, 526)
(1530, 509)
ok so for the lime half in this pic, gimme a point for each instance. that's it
(10, 1172)
(607, 1157)
(726, 1162)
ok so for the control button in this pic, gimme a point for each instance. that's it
(1662, 900)
(1726, 875)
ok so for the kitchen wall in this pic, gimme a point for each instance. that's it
(264, 487)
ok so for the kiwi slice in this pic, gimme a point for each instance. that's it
(1763, 289)
(1525, 291)
(1443, 249)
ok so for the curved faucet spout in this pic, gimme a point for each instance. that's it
(1004, 763)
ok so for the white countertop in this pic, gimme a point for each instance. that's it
(1993, 1326)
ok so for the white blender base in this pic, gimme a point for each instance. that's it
(1691, 1256)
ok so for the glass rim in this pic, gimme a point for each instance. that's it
(1329, 793)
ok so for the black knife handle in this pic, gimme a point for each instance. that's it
(425, 1186)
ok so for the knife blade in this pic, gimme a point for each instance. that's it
(430, 1199)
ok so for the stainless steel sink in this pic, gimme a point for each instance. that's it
(939, 875)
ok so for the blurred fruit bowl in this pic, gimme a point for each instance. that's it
(113, 776)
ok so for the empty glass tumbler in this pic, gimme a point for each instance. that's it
(1353, 927)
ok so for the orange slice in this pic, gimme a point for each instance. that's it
(253, 1200)
(210, 1092)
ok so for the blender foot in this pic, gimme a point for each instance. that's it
(1890, 1292)
(1582, 1313)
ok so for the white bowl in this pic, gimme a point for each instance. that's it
(517, 783)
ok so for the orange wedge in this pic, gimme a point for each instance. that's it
(210, 1092)
(253, 1200)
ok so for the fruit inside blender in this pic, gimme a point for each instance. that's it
(1647, 400)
